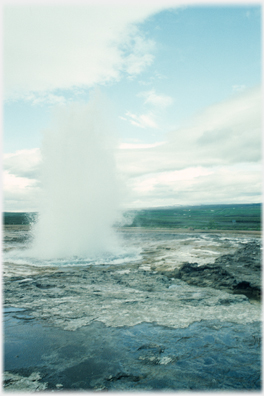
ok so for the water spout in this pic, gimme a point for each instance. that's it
(80, 200)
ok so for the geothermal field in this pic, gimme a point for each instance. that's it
(132, 190)
(170, 310)
(99, 299)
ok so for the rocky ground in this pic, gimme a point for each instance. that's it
(238, 273)
(158, 323)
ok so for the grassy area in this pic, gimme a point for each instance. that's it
(204, 217)
(18, 218)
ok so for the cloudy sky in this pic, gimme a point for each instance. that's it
(184, 86)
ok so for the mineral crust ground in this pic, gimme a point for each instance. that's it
(185, 315)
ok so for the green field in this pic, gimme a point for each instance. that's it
(203, 217)
(18, 218)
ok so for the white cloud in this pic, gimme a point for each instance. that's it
(14, 183)
(123, 118)
(148, 120)
(62, 47)
(228, 184)
(132, 146)
(148, 183)
(39, 98)
(23, 163)
(143, 120)
(47, 99)
(20, 193)
(140, 56)
(216, 158)
(156, 100)
(20, 180)
(226, 133)
(229, 132)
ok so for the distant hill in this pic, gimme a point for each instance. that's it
(18, 218)
(203, 217)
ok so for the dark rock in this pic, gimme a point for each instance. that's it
(172, 274)
(153, 347)
(129, 377)
(43, 286)
(237, 273)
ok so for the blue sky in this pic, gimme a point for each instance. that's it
(179, 81)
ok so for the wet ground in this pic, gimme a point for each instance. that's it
(206, 355)
(131, 326)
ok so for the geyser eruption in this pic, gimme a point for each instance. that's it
(79, 202)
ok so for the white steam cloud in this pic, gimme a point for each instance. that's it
(80, 191)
